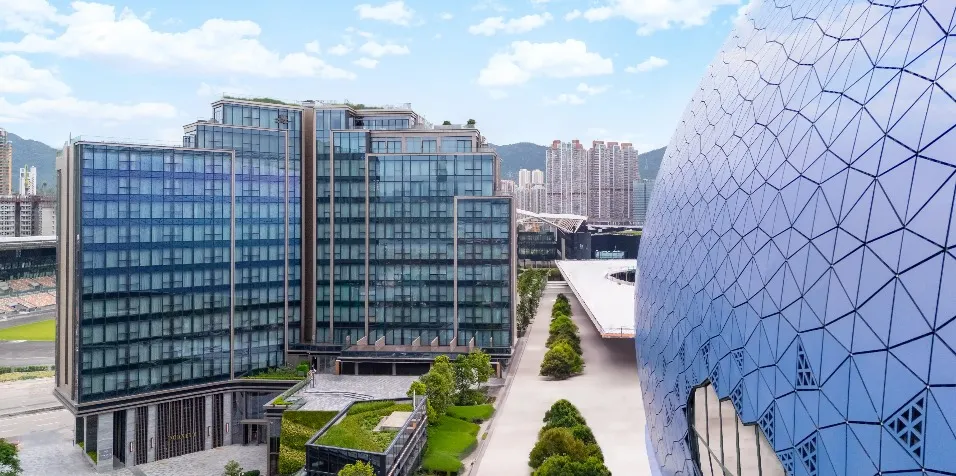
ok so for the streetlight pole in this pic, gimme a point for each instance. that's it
(284, 121)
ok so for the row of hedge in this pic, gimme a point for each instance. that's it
(28, 368)
(531, 284)
(566, 445)
(563, 358)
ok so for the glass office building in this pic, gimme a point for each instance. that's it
(796, 289)
(277, 233)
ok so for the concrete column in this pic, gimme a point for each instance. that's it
(227, 429)
(356, 368)
(104, 443)
(151, 422)
(393, 369)
(130, 437)
(88, 431)
(207, 432)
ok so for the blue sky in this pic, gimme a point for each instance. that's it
(525, 70)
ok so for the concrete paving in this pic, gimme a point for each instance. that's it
(25, 396)
(46, 449)
(21, 318)
(607, 393)
(335, 392)
(19, 353)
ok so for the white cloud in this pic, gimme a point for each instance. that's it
(490, 26)
(649, 64)
(437, 36)
(339, 50)
(446, 16)
(219, 46)
(557, 60)
(393, 12)
(539, 2)
(745, 10)
(312, 47)
(31, 16)
(17, 76)
(207, 90)
(652, 16)
(573, 99)
(43, 109)
(572, 15)
(367, 63)
(377, 50)
(592, 90)
(480, 5)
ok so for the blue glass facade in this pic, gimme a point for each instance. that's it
(261, 136)
(797, 256)
(392, 211)
(155, 237)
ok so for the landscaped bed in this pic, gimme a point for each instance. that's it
(297, 428)
(355, 430)
(450, 440)
(472, 413)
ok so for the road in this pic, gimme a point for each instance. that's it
(27, 396)
(608, 394)
(21, 353)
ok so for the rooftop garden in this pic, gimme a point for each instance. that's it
(262, 100)
(279, 373)
(356, 429)
(297, 428)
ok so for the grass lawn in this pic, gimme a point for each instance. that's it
(41, 330)
(472, 413)
(297, 428)
(355, 430)
(448, 442)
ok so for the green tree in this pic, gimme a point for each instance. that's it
(471, 370)
(9, 460)
(358, 468)
(557, 441)
(446, 123)
(417, 388)
(564, 329)
(440, 386)
(561, 362)
(561, 307)
(471, 122)
(564, 408)
(564, 465)
(561, 298)
(232, 469)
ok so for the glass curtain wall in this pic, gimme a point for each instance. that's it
(326, 120)
(484, 280)
(155, 240)
(258, 135)
(348, 254)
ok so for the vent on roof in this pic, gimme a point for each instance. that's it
(766, 423)
(805, 378)
(808, 454)
(908, 426)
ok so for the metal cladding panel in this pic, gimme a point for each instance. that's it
(797, 249)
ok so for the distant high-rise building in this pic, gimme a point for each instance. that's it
(612, 169)
(28, 181)
(537, 177)
(531, 198)
(641, 199)
(524, 177)
(506, 188)
(6, 164)
(566, 167)
(22, 215)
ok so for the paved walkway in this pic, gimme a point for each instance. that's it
(335, 392)
(607, 393)
(24, 396)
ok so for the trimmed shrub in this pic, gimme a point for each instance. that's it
(561, 307)
(557, 441)
(563, 329)
(563, 465)
(561, 362)
(358, 468)
(563, 408)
